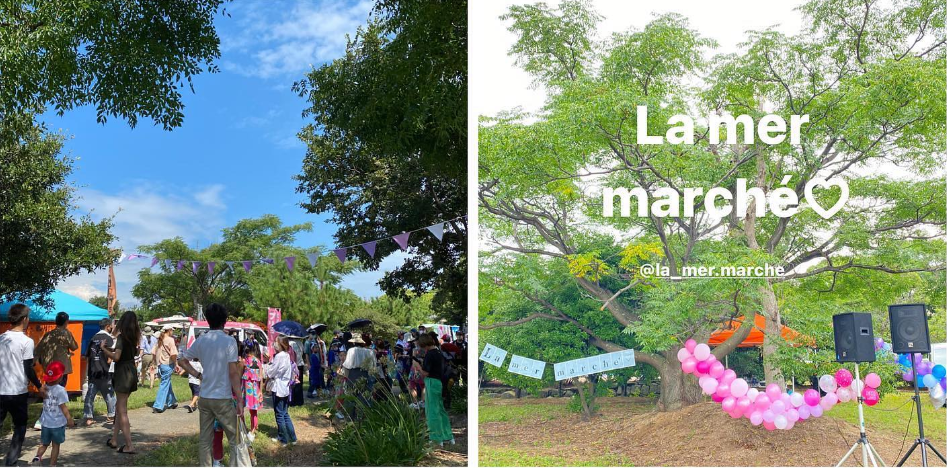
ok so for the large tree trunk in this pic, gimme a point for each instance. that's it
(677, 389)
(771, 335)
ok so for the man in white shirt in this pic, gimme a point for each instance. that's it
(220, 383)
(16, 373)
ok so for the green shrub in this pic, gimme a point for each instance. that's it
(384, 433)
(458, 400)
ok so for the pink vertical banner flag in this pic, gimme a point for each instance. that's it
(210, 267)
(290, 262)
(273, 316)
(154, 261)
(340, 253)
(370, 248)
(402, 240)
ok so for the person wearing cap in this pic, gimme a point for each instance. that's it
(57, 345)
(147, 355)
(55, 416)
(165, 357)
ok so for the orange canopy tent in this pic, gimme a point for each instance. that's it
(755, 338)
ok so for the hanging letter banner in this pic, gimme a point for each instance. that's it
(526, 366)
(493, 355)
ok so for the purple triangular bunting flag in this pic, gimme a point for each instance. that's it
(246, 265)
(180, 265)
(312, 259)
(154, 261)
(210, 267)
(167, 263)
(437, 230)
(402, 240)
(370, 248)
(340, 253)
(195, 266)
(268, 260)
(290, 262)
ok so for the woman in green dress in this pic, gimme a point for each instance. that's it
(125, 379)
(433, 370)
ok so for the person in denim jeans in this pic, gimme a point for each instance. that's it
(283, 372)
(100, 380)
(166, 354)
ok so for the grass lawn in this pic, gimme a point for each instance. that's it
(893, 413)
(144, 396)
(513, 457)
(520, 413)
(182, 451)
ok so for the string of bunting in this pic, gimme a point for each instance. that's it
(564, 370)
(437, 230)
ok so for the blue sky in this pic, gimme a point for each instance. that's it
(236, 153)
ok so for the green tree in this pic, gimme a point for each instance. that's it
(412, 313)
(41, 242)
(129, 59)
(102, 301)
(387, 150)
(869, 105)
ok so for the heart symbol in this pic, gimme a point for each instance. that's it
(814, 203)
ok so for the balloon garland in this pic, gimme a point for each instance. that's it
(930, 376)
(772, 408)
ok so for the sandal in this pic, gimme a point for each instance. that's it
(110, 444)
(122, 450)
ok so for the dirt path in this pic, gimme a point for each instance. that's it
(85, 446)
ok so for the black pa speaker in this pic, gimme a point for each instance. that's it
(909, 332)
(854, 337)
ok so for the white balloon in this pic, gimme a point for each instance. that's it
(796, 399)
(701, 352)
(752, 394)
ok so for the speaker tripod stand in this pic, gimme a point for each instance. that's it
(868, 451)
(921, 441)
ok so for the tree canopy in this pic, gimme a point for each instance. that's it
(872, 81)
(387, 150)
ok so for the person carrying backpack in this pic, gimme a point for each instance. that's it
(98, 374)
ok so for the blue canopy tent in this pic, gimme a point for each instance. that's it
(78, 310)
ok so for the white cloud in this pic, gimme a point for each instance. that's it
(297, 39)
(145, 214)
(365, 283)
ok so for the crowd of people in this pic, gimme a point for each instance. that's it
(229, 379)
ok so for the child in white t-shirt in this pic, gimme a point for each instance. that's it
(195, 384)
(55, 415)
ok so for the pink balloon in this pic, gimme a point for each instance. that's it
(786, 400)
(729, 403)
(828, 401)
(769, 426)
(762, 402)
(743, 403)
(804, 412)
(736, 413)
(701, 351)
(683, 354)
(792, 414)
(873, 380)
(871, 396)
(844, 394)
(773, 392)
(790, 425)
(752, 394)
(716, 398)
(729, 376)
(702, 366)
(716, 370)
(711, 359)
(778, 407)
(723, 390)
(689, 365)
(811, 397)
(689, 345)
(815, 411)
(843, 377)
(739, 387)
(756, 418)
(769, 415)
(710, 385)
